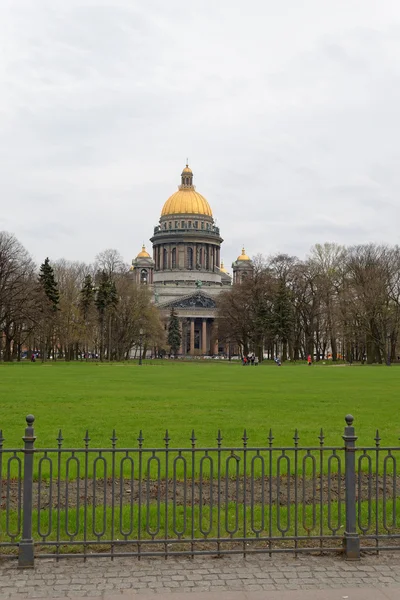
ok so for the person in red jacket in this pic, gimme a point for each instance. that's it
(309, 360)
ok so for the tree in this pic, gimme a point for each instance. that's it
(49, 284)
(49, 307)
(327, 261)
(86, 303)
(111, 262)
(101, 303)
(17, 296)
(106, 302)
(86, 296)
(174, 333)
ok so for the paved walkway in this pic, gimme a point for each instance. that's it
(232, 578)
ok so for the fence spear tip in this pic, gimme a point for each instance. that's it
(166, 437)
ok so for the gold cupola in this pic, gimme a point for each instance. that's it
(222, 268)
(186, 201)
(243, 256)
(143, 253)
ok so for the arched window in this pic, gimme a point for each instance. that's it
(174, 258)
(190, 258)
(143, 276)
(165, 259)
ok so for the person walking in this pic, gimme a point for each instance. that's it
(309, 360)
(256, 361)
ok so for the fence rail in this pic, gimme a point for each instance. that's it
(58, 502)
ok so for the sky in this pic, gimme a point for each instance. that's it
(288, 112)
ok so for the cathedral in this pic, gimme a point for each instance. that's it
(186, 272)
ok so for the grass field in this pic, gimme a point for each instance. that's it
(181, 397)
(200, 396)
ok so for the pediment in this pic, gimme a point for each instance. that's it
(196, 300)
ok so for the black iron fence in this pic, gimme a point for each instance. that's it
(58, 502)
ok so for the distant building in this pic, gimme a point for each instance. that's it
(186, 271)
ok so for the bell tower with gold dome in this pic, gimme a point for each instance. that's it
(242, 267)
(143, 268)
(188, 274)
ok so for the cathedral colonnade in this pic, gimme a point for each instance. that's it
(197, 336)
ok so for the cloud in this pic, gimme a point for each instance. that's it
(288, 113)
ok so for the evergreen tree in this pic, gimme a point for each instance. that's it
(112, 296)
(174, 333)
(106, 302)
(49, 284)
(86, 296)
(101, 302)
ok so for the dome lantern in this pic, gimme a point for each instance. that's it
(187, 177)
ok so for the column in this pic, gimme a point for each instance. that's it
(204, 337)
(192, 336)
(216, 347)
(181, 332)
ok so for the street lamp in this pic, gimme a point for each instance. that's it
(140, 345)
(388, 350)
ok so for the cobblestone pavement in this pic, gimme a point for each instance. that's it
(73, 578)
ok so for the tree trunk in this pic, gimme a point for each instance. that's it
(109, 339)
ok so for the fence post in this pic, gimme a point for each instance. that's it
(351, 537)
(26, 548)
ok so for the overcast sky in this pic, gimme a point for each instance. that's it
(288, 111)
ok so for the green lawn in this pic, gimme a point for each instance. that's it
(204, 396)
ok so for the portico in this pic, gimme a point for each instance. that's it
(196, 314)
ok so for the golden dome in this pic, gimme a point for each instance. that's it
(186, 201)
(222, 269)
(143, 253)
(243, 256)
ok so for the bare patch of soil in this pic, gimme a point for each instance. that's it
(282, 491)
